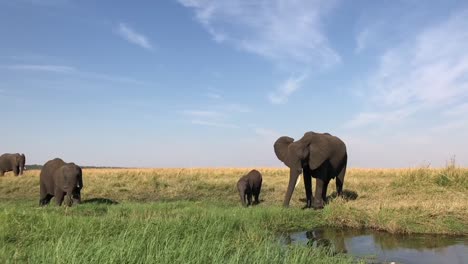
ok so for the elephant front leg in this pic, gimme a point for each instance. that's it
(308, 187)
(249, 198)
(45, 200)
(242, 198)
(318, 201)
(59, 196)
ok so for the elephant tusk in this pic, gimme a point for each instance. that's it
(297, 182)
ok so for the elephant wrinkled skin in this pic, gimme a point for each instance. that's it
(61, 180)
(248, 185)
(317, 155)
(12, 162)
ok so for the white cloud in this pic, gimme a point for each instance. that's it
(429, 71)
(62, 69)
(280, 96)
(42, 67)
(283, 31)
(213, 124)
(133, 37)
(288, 33)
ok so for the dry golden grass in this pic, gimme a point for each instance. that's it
(386, 197)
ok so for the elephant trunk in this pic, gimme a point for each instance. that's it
(21, 164)
(293, 174)
(241, 193)
(242, 197)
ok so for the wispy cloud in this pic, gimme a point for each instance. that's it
(133, 37)
(268, 134)
(42, 67)
(280, 96)
(63, 69)
(427, 72)
(214, 96)
(370, 35)
(216, 115)
(213, 124)
(202, 113)
(288, 33)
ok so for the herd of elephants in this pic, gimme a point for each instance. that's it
(316, 155)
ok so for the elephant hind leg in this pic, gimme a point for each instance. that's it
(340, 181)
(257, 194)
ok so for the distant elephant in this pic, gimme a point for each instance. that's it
(248, 185)
(58, 179)
(321, 156)
(12, 162)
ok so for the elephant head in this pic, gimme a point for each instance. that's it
(21, 162)
(312, 150)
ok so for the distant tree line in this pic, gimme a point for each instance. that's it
(39, 167)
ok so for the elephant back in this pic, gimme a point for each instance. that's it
(50, 167)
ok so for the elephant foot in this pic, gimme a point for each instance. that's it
(308, 205)
(318, 204)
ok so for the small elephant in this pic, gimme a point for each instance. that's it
(248, 185)
(321, 156)
(60, 179)
(12, 162)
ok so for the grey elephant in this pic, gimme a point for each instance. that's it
(12, 162)
(317, 155)
(248, 185)
(60, 179)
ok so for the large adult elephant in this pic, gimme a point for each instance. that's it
(12, 162)
(60, 179)
(317, 155)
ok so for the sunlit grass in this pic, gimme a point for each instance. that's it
(194, 215)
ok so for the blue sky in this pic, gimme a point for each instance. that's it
(214, 83)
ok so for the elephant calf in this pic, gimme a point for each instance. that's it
(248, 185)
(61, 180)
(12, 162)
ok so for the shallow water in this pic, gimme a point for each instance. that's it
(382, 247)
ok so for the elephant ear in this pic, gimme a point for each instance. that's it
(320, 148)
(281, 148)
(297, 153)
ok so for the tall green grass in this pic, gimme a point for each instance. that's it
(172, 232)
(194, 216)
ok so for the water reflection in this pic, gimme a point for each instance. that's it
(385, 247)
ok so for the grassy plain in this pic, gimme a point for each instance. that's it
(194, 216)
